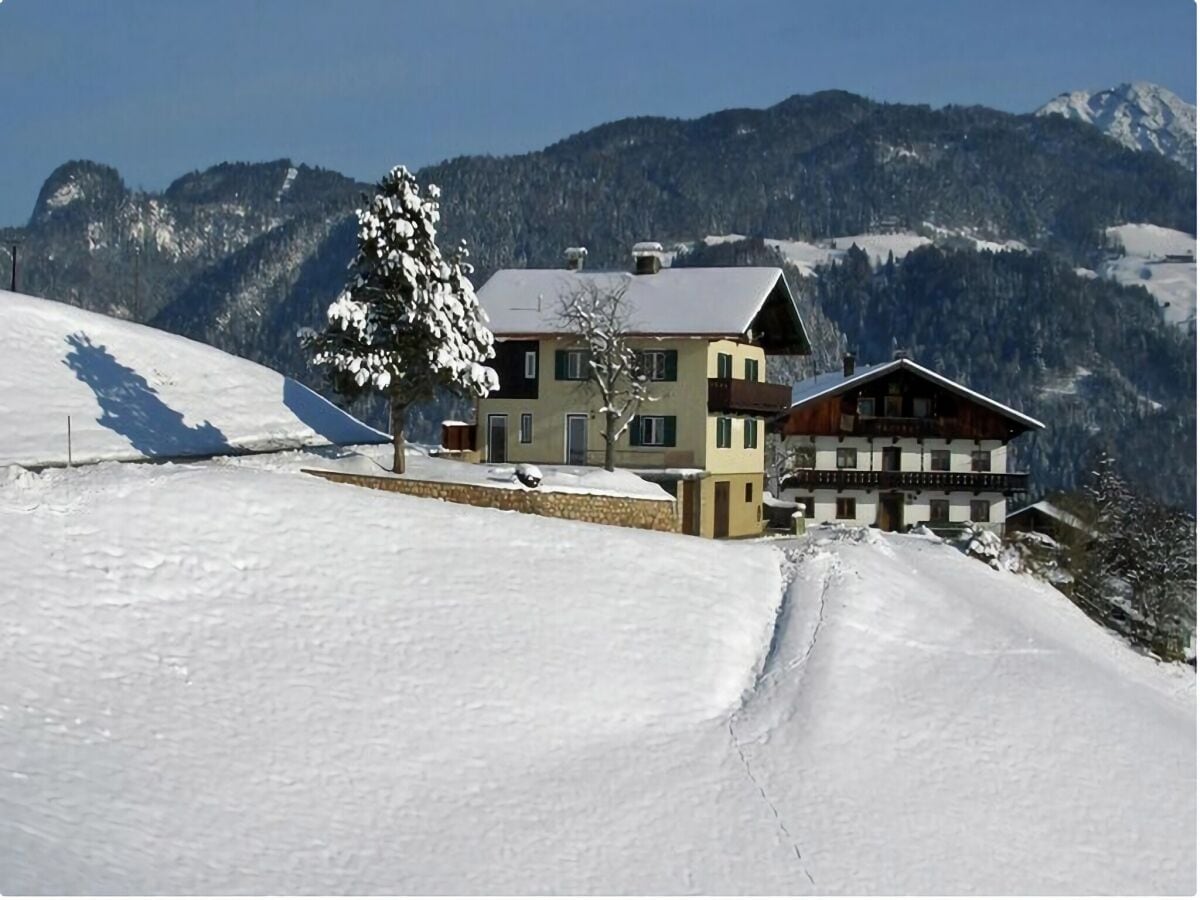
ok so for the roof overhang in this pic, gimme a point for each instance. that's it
(1026, 423)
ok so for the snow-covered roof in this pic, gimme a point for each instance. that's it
(716, 302)
(827, 383)
(1054, 512)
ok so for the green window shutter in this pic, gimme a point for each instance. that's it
(672, 367)
(669, 429)
(635, 431)
(560, 365)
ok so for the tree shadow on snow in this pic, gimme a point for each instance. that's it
(325, 419)
(131, 407)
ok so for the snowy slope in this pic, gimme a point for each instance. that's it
(134, 392)
(1141, 116)
(1142, 262)
(808, 256)
(310, 688)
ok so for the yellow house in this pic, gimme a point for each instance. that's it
(703, 334)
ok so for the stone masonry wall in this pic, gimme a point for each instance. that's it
(628, 512)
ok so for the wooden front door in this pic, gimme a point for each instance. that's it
(689, 512)
(497, 438)
(891, 512)
(577, 428)
(721, 509)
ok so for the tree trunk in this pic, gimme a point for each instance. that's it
(399, 412)
(610, 439)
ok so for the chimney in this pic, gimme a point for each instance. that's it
(575, 258)
(848, 365)
(647, 258)
(899, 354)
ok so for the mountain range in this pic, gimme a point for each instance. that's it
(241, 255)
(1140, 116)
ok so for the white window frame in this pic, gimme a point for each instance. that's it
(848, 450)
(750, 430)
(654, 365)
(577, 365)
(729, 436)
(525, 431)
(654, 430)
(531, 363)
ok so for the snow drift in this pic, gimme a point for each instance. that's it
(134, 392)
(307, 688)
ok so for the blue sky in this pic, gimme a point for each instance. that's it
(160, 87)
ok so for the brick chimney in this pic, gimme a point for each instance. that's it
(848, 365)
(575, 258)
(647, 258)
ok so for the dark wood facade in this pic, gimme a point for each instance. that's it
(857, 479)
(510, 369)
(736, 395)
(905, 404)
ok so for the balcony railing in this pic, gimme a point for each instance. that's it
(898, 426)
(840, 479)
(736, 395)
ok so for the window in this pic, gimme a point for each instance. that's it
(866, 406)
(749, 492)
(804, 457)
(752, 370)
(724, 365)
(750, 434)
(571, 365)
(939, 510)
(922, 407)
(847, 458)
(531, 364)
(981, 511)
(939, 460)
(981, 460)
(807, 506)
(652, 431)
(660, 365)
(526, 428)
(845, 508)
(724, 432)
(893, 405)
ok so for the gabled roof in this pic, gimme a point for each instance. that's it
(828, 383)
(700, 302)
(1049, 509)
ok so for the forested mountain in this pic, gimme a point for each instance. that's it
(241, 255)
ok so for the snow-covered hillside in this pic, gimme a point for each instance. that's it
(877, 245)
(134, 392)
(219, 678)
(1143, 262)
(1142, 116)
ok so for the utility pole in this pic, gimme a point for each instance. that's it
(137, 307)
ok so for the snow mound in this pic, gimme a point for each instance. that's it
(134, 392)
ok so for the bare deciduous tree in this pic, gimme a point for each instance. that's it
(597, 313)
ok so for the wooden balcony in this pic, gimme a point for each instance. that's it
(736, 395)
(897, 426)
(860, 479)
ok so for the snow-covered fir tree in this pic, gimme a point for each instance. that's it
(408, 320)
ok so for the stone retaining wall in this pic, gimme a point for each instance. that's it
(604, 509)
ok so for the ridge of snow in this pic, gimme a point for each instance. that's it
(134, 392)
(1140, 116)
(288, 178)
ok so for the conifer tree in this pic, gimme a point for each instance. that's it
(408, 320)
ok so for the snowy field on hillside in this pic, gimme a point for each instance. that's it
(229, 677)
(1142, 263)
(808, 256)
(134, 392)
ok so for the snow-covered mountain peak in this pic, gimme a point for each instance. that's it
(1139, 115)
